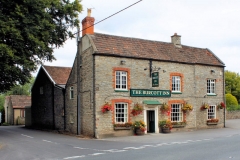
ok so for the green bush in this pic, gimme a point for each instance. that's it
(231, 102)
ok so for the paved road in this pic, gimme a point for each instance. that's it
(17, 142)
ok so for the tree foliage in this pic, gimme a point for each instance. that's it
(29, 32)
(232, 84)
(231, 102)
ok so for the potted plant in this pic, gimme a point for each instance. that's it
(137, 109)
(221, 105)
(139, 127)
(165, 126)
(204, 106)
(106, 107)
(164, 107)
(122, 126)
(187, 107)
(212, 121)
(179, 124)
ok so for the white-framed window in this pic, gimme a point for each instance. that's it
(121, 112)
(176, 113)
(176, 84)
(121, 80)
(71, 93)
(41, 90)
(211, 86)
(212, 112)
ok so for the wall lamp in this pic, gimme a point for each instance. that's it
(122, 61)
(212, 71)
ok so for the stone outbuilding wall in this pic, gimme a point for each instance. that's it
(233, 115)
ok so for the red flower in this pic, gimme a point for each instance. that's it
(106, 107)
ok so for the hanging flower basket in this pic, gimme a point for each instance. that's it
(187, 107)
(106, 107)
(164, 108)
(204, 106)
(221, 105)
(137, 109)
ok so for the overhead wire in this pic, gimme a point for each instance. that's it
(108, 17)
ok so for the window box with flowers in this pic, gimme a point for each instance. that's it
(204, 106)
(187, 107)
(164, 108)
(221, 105)
(165, 126)
(213, 121)
(122, 126)
(179, 124)
(137, 109)
(106, 107)
(139, 127)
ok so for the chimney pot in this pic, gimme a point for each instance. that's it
(89, 12)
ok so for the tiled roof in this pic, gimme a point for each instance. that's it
(20, 101)
(147, 49)
(58, 74)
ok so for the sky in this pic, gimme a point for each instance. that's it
(212, 24)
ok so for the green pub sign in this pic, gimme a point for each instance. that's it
(149, 93)
(155, 79)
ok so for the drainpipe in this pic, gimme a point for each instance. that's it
(78, 86)
(224, 111)
(64, 108)
(93, 99)
(53, 106)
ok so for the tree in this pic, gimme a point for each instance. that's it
(21, 89)
(29, 32)
(231, 102)
(232, 83)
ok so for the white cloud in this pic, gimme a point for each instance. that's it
(212, 24)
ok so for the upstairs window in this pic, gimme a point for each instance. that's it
(121, 80)
(176, 84)
(71, 93)
(211, 86)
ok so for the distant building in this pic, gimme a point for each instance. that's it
(15, 109)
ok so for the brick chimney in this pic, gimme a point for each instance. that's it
(176, 40)
(86, 23)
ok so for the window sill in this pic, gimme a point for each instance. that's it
(121, 90)
(213, 94)
(122, 128)
(176, 92)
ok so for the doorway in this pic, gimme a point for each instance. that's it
(151, 121)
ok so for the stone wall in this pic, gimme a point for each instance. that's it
(42, 104)
(86, 92)
(194, 89)
(233, 115)
(71, 104)
(58, 108)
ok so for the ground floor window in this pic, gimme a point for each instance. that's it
(121, 112)
(212, 112)
(176, 113)
(22, 113)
